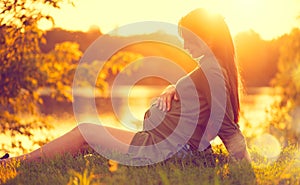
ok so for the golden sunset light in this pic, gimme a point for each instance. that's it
(267, 17)
(150, 92)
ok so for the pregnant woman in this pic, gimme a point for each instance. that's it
(182, 116)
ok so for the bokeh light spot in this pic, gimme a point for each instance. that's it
(267, 146)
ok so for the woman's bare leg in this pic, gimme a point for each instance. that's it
(74, 142)
(106, 137)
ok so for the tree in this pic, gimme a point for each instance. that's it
(25, 69)
(23, 65)
(59, 65)
(284, 119)
(257, 58)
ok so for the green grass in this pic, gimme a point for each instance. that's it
(202, 169)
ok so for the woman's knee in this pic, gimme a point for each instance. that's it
(76, 131)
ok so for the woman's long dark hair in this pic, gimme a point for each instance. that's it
(212, 29)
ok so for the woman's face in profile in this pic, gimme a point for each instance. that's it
(192, 44)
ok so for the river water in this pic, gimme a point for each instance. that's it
(253, 105)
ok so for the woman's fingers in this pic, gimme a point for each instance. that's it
(176, 96)
(164, 101)
(161, 103)
(164, 104)
(168, 102)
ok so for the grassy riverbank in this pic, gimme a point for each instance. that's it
(205, 169)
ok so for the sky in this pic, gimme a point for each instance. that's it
(269, 18)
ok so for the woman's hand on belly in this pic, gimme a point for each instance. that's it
(166, 97)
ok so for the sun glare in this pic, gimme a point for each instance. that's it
(268, 18)
(45, 24)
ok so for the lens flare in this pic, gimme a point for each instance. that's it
(267, 146)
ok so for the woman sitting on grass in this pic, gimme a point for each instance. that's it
(176, 103)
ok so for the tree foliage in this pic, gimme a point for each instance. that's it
(59, 65)
(257, 58)
(94, 75)
(285, 119)
(24, 68)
